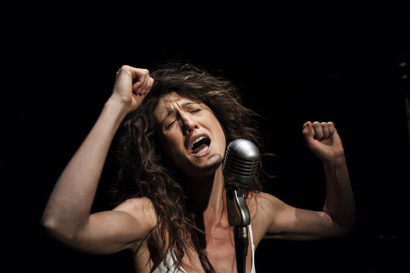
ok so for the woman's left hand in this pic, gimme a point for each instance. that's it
(324, 141)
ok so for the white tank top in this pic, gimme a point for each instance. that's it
(162, 268)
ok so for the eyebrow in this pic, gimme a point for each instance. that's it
(170, 111)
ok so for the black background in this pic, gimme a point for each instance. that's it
(293, 60)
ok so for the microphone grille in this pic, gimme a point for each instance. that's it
(241, 161)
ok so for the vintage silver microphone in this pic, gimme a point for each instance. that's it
(240, 166)
(241, 161)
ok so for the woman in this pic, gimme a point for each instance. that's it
(173, 211)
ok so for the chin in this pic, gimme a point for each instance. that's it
(210, 164)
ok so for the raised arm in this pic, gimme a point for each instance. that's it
(67, 215)
(324, 141)
(279, 220)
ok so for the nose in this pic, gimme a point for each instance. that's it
(187, 124)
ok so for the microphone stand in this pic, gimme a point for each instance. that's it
(239, 218)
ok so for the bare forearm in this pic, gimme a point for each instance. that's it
(70, 203)
(339, 204)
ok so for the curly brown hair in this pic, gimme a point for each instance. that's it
(145, 169)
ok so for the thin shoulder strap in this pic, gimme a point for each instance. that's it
(253, 248)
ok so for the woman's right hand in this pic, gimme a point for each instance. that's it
(131, 86)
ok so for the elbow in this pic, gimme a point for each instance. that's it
(344, 230)
(345, 227)
(57, 229)
(349, 222)
(340, 227)
(49, 224)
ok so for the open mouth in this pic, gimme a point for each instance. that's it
(200, 145)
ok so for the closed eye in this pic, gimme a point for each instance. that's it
(170, 124)
(192, 111)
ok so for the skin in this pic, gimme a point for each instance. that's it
(180, 119)
(68, 216)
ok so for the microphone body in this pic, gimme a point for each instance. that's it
(240, 166)
(241, 162)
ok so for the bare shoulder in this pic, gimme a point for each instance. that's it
(263, 201)
(135, 202)
(262, 207)
(141, 207)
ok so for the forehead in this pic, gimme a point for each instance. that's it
(168, 102)
(172, 98)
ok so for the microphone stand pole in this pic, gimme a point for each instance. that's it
(239, 218)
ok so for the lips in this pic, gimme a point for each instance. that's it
(199, 144)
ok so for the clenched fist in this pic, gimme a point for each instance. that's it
(131, 86)
(324, 141)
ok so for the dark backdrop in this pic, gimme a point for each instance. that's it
(293, 60)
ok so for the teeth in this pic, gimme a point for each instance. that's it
(196, 140)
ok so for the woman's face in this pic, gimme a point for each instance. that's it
(191, 134)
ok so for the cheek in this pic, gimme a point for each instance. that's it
(220, 135)
(174, 150)
(171, 144)
(223, 143)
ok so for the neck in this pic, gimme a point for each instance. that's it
(207, 197)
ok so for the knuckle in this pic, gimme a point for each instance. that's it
(121, 69)
(124, 68)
